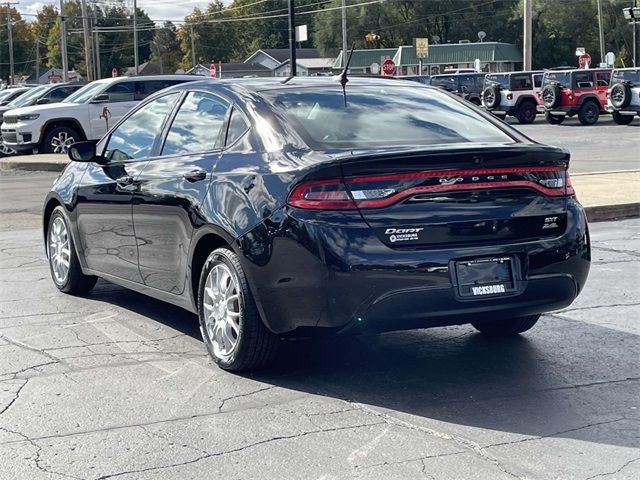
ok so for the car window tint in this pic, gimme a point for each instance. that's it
(382, 116)
(632, 76)
(467, 81)
(521, 82)
(237, 126)
(583, 79)
(502, 80)
(60, 93)
(134, 138)
(537, 80)
(121, 92)
(603, 79)
(197, 125)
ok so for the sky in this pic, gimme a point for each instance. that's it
(156, 9)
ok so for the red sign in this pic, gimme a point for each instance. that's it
(388, 67)
(114, 72)
(212, 70)
(584, 60)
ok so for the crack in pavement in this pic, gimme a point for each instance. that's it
(240, 449)
(594, 307)
(411, 460)
(15, 398)
(607, 474)
(264, 389)
(26, 369)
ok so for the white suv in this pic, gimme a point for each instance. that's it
(85, 115)
(623, 98)
(512, 93)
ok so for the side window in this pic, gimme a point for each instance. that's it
(120, 92)
(197, 125)
(603, 79)
(537, 81)
(583, 79)
(60, 93)
(134, 138)
(467, 81)
(237, 126)
(521, 82)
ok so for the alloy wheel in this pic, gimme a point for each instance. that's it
(4, 150)
(222, 310)
(61, 142)
(617, 95)
(59, 251)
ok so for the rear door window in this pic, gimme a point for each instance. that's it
(198, 125)
(603, 79)
(521, 82)
(121, 92)
(583, 80)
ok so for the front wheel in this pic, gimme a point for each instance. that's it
(231, 327)
(589, 113)
(63, 261)
(512, 326)
(59, 139)
(553, 119)
(621, 119)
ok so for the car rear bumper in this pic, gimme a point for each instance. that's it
(630, 110)
(306, 272)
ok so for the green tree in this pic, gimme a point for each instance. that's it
(23, 43)
(166, 50)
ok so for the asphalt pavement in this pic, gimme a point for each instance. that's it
(116, 385)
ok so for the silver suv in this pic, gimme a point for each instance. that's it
(623, 98)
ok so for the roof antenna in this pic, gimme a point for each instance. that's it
(342, 78)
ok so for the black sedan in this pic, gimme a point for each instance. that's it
(278, 208)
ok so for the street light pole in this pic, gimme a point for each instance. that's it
(601, 32)
(135, 35)
(88, 60)
(292, 38)
(527, 34)
(63, 44)
(344, 34)
(193, 48)
(10, 35)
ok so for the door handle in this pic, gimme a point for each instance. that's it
(126, 183)
(195, 175)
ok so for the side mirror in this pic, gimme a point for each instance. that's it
(3, 103)
(43, 101)
(83, 152)
(102, 98)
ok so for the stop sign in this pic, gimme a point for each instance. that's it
(388, 67)
(212, 70)
(584, 60)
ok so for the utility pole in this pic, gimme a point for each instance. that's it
(292, 38)
(601, 32)
(193, 48)
(527, 34)
(344, 34)
(88, 60)
(135, 35)
(10, 38)
(37, 58)
(63, 44)
(96, 44)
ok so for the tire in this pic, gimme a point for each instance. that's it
(235, 345)
(6, 151)
(622, 119)
(589, 113)
(505, 327)
(551, 95)
(620, 95)
(61, 252)
(526, 113)
(59, 139)
(554, 119)
(491, 97)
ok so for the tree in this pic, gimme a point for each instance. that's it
(46, 17)
(166, 50)
(23, 42)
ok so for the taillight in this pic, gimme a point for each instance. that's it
(379, 191)
(509, 96)
(322, 195)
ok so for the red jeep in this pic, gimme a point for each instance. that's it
(581, 92)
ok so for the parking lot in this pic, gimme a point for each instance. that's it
(115, 385)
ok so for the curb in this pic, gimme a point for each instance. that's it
(605, 213)
(7, 164)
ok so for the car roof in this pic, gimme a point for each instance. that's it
(149, 77)
(572, 70)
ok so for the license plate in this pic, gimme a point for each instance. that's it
(485, 277)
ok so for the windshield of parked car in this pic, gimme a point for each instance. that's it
(86, 93)
(632, 76)
(563, 78)
(29, 97)
(383, 116)
(502, 80)
(4, 94)
(447, 81)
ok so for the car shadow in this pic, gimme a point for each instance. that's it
(564, 378)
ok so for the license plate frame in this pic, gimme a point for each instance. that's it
(486, 277)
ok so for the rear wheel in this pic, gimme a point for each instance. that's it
(589, 113)
(621, 119)
(231, 327)
(512, 326)
(63, 260)
(526, 113)
(553, 119)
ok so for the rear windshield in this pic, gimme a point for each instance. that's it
(383, 116)
(447, 81)
(563, 78)
(503, 80)
(632, 76)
